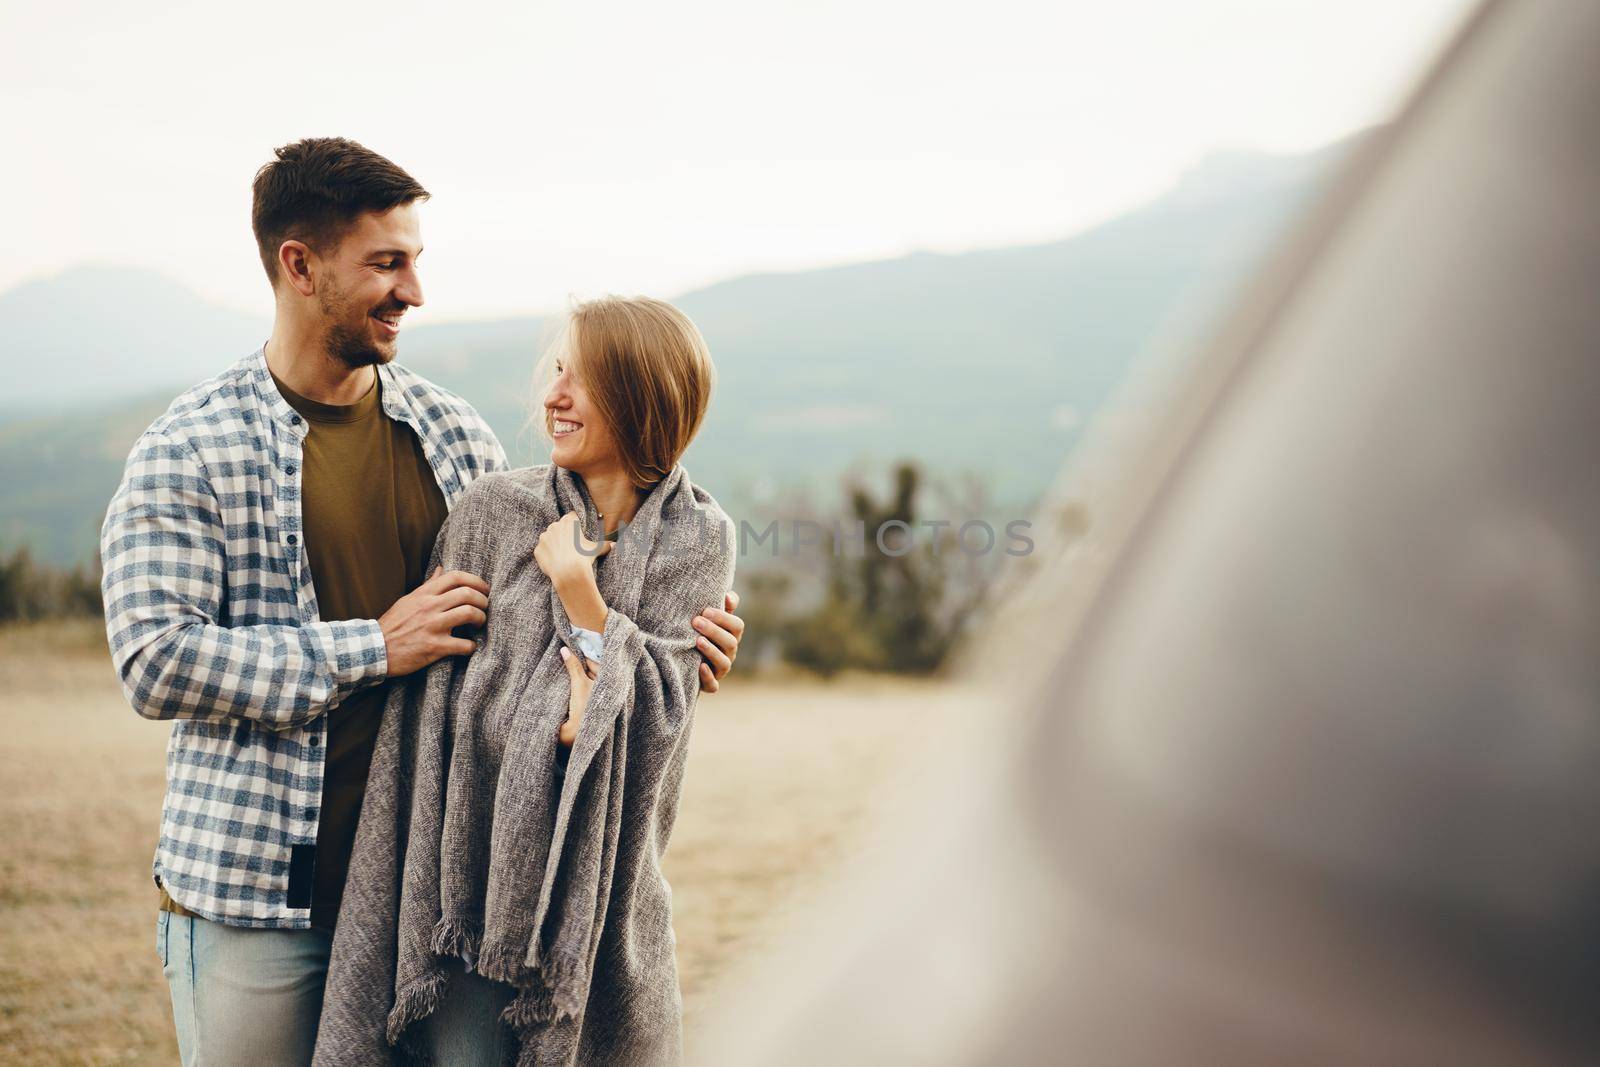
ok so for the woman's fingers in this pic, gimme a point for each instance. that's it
(731, 601)
(579, 669)
(708, 681)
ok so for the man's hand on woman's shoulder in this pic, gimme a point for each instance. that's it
(416, 630)
(720, 633)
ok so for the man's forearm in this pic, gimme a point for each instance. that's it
(163, 587)
(280, 676)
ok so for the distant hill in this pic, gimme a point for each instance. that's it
(91, 335)
(987, 362)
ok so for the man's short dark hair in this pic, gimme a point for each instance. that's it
(317, 188)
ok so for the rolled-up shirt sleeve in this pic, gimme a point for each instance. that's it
(591, 642)
(164, 587)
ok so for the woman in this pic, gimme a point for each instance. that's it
(505, 894)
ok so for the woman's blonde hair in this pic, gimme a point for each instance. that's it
(648, 372)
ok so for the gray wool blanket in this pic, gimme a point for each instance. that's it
(475, 844)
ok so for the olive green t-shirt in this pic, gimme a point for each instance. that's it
(370, 509)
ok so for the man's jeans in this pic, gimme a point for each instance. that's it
(247, 996)
(242, 995)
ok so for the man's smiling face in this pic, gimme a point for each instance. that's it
(368, 282)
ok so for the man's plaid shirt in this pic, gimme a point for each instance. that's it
(212, 619)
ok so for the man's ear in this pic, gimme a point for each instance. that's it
(294, 259)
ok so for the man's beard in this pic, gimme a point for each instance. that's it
(344, 343)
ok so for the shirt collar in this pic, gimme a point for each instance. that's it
(392, 395)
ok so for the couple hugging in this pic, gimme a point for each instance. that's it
(431, 713)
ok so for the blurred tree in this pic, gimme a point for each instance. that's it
(892, 600)
(31, 591)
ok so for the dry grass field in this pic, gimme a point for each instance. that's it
(782, 775)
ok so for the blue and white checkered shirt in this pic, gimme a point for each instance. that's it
(212, 620)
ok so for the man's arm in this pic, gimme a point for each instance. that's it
(163, 560)
(720, 633)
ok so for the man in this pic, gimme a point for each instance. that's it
(263, 578)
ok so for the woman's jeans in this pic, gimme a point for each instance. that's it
(466, 1029)
(253, 996)
(243, 995)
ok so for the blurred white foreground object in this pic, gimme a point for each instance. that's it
(1312, 774)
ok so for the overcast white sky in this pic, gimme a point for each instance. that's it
(582, 147)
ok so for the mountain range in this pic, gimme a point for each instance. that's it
(984, 364)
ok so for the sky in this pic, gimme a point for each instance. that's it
(574, 149)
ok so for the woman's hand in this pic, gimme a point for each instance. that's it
(582, 684)
(567, 557)
(565, 554)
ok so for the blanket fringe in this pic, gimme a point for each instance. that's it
(456, 937)
(555, 991)
(498, 963)
(416, 1001)
(529, 1009)
(564, 978)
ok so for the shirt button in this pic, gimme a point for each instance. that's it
(290, 469)
(294, 420)
(293, 539)
(316, 739)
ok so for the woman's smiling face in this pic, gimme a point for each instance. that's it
(580, 439)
